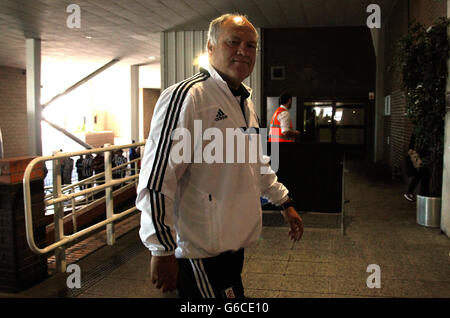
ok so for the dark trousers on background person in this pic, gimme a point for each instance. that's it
(421, 176)
(213, 277)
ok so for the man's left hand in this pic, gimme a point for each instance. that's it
(295, 223)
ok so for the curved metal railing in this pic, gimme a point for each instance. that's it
(59, 195)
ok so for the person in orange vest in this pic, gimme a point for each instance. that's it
(281, 129)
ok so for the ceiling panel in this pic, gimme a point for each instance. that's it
(129, 29)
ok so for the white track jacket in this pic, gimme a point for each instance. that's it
(198, 210)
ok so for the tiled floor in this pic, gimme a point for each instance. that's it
(380, 229)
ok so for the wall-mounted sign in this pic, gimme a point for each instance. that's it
(277, 73)
(387, 105)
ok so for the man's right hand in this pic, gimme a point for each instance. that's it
(164, 272)
(292, 134)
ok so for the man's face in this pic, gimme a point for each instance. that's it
(234, 54)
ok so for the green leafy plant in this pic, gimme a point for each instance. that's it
(422, 57)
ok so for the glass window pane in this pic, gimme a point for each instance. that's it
(323, 115)
(349, 116)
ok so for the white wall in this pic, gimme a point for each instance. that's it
(150, 76)
(107, 94)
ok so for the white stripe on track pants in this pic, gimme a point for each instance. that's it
(213, 277)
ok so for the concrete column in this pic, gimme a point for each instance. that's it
(378, 37)
(33, 64)
(445, 208)
(135, 127)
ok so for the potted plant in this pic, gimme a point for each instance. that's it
(422, 56)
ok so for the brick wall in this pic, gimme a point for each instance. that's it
(386, 144)
(427, 11)
(400, 130)
(397, 126)
(13, 111)
(20, 268)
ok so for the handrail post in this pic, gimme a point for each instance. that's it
(343, 197)
(74, 217)
(110, 236)
(60, 252)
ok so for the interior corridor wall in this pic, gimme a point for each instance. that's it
(13, 110)
(397, 134)
(398, 130)
(398, 127)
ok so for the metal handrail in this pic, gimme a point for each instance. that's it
(60, 239)
(97, 188)
(94, 177)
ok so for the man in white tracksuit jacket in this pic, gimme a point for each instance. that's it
(198, 214)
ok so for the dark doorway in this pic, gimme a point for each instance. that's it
(335, 121)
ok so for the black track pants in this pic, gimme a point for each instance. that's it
(214, 277)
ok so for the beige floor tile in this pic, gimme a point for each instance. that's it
(274, 254)
(306, 284)
(262, 281)
(87, 295)
(133, 270)
(353, 287)
(250, 250)
(257, 265)
(289, 294)
(309, 268)
(349, 269)
(115, 287)
(311, 256)
(396, 272)
(399, 288)
(301, 268)
(144, 289)
(433, 289)
(350, 296)
(261, 293)
(280, 242)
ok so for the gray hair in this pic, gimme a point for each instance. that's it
(215, 25)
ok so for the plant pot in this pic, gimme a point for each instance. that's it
(428, 211)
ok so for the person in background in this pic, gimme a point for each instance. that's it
(98, 165)
(67, 171)
(119, 159)
(87, 169)
(418, 174)
(281, 128)
(79, 167)
(132, 154)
